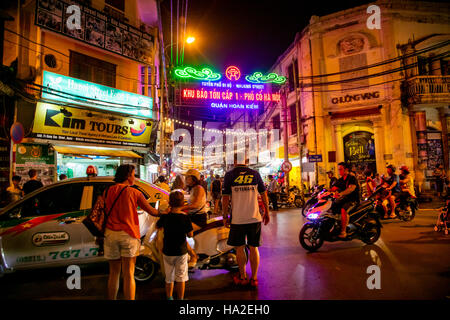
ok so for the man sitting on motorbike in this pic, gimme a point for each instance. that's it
(393, 186)
(406, 185)
(347, 196)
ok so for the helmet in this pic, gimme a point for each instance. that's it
(91, 170)
(193, 172)
(404, 168)
(392, 167)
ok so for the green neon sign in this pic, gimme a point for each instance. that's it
(205, 74)
(95, 95)
(257, 77)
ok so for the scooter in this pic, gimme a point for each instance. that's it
(313, 199)
(322, 225)
(209, 243)
(292, 199)
(404, 210)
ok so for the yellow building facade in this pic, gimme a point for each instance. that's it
(116, 50)
(366, 95)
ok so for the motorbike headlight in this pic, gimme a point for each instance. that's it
(313, 216)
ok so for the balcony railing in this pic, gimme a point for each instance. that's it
(427, 89)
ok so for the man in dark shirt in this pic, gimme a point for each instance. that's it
(348, 195)
(177, 226)
(33, 183)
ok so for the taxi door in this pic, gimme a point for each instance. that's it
(90, 243)
(44, 229)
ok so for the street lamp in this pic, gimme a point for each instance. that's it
(189, 40)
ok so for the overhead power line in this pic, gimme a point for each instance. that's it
(413, 54)
(375, 75)
(61, 53)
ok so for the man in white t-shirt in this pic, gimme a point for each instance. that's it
(244, 185)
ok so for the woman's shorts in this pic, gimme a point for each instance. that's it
(120, 244)
(176, 268)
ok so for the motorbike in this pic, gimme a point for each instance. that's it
(293, 199)
(210, 244)
(313, 199)
(404, 210)
(323, 225)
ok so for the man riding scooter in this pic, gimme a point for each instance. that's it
(347, 196)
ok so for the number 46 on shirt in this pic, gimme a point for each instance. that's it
(244, 179)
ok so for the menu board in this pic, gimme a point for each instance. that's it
(96, 29)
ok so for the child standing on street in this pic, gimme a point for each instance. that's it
(177, 226)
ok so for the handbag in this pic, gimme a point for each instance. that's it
(95, 221)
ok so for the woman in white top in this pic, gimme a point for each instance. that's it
(196, 207)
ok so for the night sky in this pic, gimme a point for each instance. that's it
(250, 34)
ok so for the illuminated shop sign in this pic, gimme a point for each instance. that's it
(77, 125)
(232, 73)
(239, 92)
(96, 95)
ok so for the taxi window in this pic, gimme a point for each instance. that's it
(60, 199)
(99, 188)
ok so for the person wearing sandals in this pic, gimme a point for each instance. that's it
(122, 235)
(196, 207)
(243, 185)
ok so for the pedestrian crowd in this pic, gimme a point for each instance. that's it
(241, 189)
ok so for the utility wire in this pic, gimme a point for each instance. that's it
(413, 54)
(59, 52)
(374, 75)
(171, 32)
(184, 34)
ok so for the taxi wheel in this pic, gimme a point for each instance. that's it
(145, 269)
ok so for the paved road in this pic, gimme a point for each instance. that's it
(414, 262)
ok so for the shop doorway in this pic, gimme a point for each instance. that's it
(359, 151)
(75, 166)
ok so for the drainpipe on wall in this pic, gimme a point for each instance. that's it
(162, 73)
